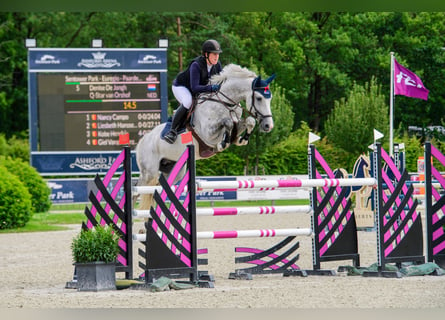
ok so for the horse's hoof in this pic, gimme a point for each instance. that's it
(221, 146)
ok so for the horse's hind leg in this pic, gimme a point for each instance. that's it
(145, 200)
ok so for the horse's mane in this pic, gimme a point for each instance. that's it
(232, 71)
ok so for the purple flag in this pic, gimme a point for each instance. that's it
(407, 83)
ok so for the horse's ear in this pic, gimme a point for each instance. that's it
(269, 80)
(256, 83)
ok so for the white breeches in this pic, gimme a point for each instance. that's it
(183, 96)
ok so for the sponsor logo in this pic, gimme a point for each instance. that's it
(90, 164)
(54, 185)
(149, 59)
(98, 61)
(47, 59)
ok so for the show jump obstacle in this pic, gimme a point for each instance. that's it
(170, 241)
(435, 205)
(399, 226)
(110, 206)
(335, 236)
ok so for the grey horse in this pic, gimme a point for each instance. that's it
(218, 120)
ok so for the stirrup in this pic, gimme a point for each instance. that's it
(171, 136)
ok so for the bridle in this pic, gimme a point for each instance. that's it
(232, 105)
(264, 91)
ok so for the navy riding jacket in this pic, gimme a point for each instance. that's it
(196, 77)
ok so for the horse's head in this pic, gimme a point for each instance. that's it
(260, 102)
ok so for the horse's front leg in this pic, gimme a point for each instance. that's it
(225, 134)
(248, 125)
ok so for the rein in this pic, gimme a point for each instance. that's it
(230, 105)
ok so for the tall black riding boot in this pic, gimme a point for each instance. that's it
(177, 122)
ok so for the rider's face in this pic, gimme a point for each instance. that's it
(212, 58)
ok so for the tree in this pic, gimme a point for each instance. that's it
(417, 40)
(351, 123)
(316, 55)
(13, 79)
(259, 142)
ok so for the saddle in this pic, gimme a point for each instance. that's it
(204, 150)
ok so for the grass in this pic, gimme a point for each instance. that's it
(48, 222)
(55, 220)
(61, 215)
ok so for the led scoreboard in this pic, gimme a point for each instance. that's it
(96, 109)
(82, 100)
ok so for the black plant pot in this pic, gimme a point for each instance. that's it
(96, 276)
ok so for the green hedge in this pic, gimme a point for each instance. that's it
(15, 201)
(222, 164)
(37, 187)
(15, 147)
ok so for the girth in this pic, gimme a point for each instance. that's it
(206, 151)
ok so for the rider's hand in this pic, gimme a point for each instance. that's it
(215, 87)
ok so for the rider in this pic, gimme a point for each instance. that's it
(193, 81)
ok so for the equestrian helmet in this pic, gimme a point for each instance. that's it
(211, 46)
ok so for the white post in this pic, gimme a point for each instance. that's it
(391, 107)
(289, 183)
(260, 233)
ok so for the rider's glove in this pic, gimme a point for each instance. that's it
(215, 87)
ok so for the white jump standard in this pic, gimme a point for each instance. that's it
(266, 184)
(230, 234)
(266, 210)
(296, 183)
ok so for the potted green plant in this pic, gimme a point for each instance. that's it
(94, 253)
